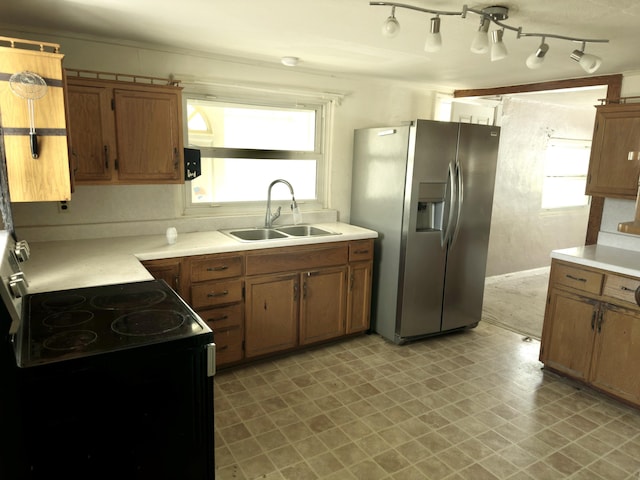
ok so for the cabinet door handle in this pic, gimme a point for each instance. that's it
(295, 292)
(577, 279)
(176, 158)
(106, 157)
(217, 269)
(593, 319)
(218, 294)
(304, 290)
(600, 321)
(637, 295)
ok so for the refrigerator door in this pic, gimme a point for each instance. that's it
(428, 185)
(467, 256)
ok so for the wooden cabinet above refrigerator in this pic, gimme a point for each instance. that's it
(32, 109)
(124, 132)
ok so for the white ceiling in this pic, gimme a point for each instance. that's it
(344, 36)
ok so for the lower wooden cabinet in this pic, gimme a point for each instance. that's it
(271, 315)
(265, 301)
(590, 333)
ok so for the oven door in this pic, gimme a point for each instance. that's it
(146, 413)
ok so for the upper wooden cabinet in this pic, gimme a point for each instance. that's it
(124, 132)
(43, 174)
(615, 152)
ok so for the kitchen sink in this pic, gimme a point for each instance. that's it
(303, 231)
(253, 234)
(277, 233)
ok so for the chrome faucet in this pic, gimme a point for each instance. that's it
(269, 217)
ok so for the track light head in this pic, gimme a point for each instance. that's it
(391, 26)
(434, 38)
(589, 63)
(480, 43)
(498, 49)
(534, 61)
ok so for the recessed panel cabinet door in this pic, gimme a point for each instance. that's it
(614, 165)
(91, 132)
(322, 306)
(271, 313)
(569, 344)
(617, 353)
(149, 139)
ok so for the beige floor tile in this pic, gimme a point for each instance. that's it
(470, 405)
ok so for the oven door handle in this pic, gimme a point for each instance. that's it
(211, 359)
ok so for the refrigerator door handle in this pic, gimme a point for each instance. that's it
(451, 204)
(460, 200)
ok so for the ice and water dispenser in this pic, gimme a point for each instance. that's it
(430, 206)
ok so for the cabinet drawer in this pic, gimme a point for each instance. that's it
(622, 288)
(226, 323)
(360, 250)
(216, 293)
(289, 259)
(578, 278)
(213, 267)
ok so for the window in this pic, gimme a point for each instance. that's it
(565, 173)
(245, 146)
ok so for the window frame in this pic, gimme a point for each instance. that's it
(323, 108)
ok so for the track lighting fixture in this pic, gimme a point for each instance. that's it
(480, 44)
(434, 39)
(535, 60)
(589, 63)
(498, 49)
(391, 27)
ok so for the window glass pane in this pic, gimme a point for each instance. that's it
(565, 173)
(248, 126)
(247, 180)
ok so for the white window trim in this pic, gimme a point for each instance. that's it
(266, 96)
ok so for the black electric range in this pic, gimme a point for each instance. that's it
(71, 324)
(113, 381)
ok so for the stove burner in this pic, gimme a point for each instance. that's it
(148, 322)
(70, 340)
(64, 302)
(69, 318)
(125, 300)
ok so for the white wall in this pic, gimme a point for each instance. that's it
(132, 210)
(522, 234)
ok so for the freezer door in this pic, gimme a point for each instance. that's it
(467, 255)
(428, 186)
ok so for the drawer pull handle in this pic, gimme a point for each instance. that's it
(226, 329)
(577, 279)
(223, 317)
(627, 289)
(222, 348)
(218, 294)
(361, 251)
(217, 269)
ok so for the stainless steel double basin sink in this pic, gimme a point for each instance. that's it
(277, 233)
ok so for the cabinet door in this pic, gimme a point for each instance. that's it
(569, 333)
(149, 136)
(614, 165)
(617, 353)
(359, 297)
(271, 313)
(91, 131)
(168, 269)
(322, 307)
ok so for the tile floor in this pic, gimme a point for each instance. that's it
(470, 405)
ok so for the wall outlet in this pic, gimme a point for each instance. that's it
(63, 206)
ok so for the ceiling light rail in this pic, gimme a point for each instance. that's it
(495, 14)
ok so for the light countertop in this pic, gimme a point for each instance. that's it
(62, 265)
(617, 260)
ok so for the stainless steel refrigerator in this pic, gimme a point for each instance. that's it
(427, 189)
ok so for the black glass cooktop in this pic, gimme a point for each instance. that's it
(69, 324)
